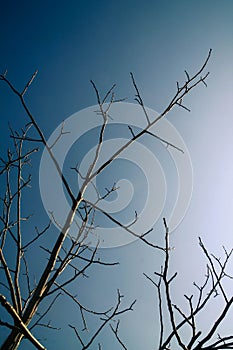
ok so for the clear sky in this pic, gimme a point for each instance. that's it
(75, 41)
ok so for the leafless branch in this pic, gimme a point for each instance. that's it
(115, 331)
(126, 228)
(224, 342)
(20, 323)
(180, 94)
(115, 312)
(73, 253)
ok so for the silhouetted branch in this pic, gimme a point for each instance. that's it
(115, 331)
(115, 312)
(197, 339)
(73, 254)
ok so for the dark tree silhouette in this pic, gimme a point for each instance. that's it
(72, 257)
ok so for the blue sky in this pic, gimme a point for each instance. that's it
(75, 41)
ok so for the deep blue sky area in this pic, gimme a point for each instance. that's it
(104, 41)
(71, 43)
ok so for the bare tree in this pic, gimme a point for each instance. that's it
(212, 286)
(72, 257)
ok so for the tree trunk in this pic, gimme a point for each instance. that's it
(13, 340)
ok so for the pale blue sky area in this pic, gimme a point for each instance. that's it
(75, 41)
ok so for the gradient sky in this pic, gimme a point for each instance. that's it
(75, 41)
